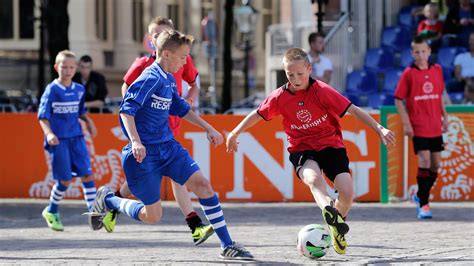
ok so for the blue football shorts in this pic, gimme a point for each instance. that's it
(70, 158)
(164, 159)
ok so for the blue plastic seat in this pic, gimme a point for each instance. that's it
(375, 100)
(446, 57)
(360, 82)
(390, 80)
(406, 59)
(377, 60)
(395, 38)
(389, 99)
(456, 97)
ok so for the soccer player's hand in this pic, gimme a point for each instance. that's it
(215, 137)
(138, 151)
(408, 130)
(445, 125)
(52, 139)
(387, 136)
(92, 130)
(232, 144)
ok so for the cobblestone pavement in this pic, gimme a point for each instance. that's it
(379, 234)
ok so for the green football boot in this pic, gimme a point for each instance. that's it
(53, 220)
(109, 220)
(202, 233)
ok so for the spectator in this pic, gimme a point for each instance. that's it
(464, 63)
(463, 68)
(459, 23)
(322, 66)
(431, 28)
(94, 82)
(469, 92)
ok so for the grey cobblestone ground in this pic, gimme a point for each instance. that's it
(380, 234)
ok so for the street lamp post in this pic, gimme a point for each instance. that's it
(246, 18)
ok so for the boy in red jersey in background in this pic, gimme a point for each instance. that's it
(311, 111)
(188, 73)
(424, 119)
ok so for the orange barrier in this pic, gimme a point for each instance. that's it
(455, 177)
(260, 171)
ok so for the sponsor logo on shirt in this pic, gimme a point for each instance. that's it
(65, 107)
(427, 89)
(160, 103)
(305, 117)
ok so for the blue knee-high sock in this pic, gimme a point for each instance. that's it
(57, 194)
(213, 211)
(126, 206)
(89, 192)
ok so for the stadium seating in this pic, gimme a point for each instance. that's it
(377, 60)
(395, 38)
(390, 80)
(456, 97)
(446, 57)
(405, 58)
(361, 82)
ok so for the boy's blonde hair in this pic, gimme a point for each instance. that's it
(295, 54)
(63, 55)
(159, 20)
(434, 8)
(171, 40)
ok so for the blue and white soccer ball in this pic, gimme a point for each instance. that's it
(313, 241)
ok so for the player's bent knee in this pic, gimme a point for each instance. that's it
(87, 178)
(65, 183)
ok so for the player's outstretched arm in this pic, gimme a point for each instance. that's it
(213, 135)
(90, 125)
(138, 150)
(250, 120)
(48, 132)
(386, 135)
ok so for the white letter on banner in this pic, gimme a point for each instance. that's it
(280, 177)
(360, 170)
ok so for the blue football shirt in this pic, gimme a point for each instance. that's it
(62, 106)
(151, 99)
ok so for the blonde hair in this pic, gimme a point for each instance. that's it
(159, 20)
(295, 54)
(171, 40)
(63, 55)
(434, 9)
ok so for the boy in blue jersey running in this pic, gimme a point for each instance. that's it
(61, 107)
(153, 152)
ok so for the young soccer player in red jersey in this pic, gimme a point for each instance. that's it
(424, 118)
(311, 111)
(200, 231)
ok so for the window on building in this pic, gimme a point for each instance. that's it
(27, 23)
(101, 15)
(17, 19)
(267, 19)
(173, 14)
(137, 24)
(6, 19)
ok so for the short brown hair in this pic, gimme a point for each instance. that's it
(295, 54)
(63, 55)
(171, 40)
(159, 20)
(418, 40)
(312, 37)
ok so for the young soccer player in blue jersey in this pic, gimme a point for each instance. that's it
(153, 152)
(61, 107)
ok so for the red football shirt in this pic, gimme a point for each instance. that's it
(187, 73)
(426, 26)
(310, 117)
(422, 91)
